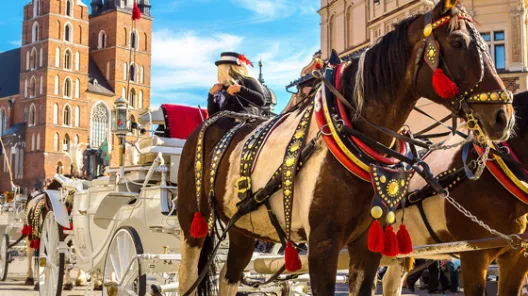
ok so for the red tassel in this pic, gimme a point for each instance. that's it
(199, 226)
(391, 243)
(35, 244)
(136, 13)
(376, 241)
(404, 240)
(291, 256)
(27, 230)
(444, 86)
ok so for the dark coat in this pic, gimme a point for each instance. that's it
(250, 91)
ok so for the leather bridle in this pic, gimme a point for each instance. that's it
(430, 53)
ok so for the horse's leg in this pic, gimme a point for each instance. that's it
(363, 269)
(29, 252)
(68, 285)
(474, 270)
(96, 279)
(393, 280)
(240, 251)
(188, 271)
(80, 280)
(513, 267)
(322, 258)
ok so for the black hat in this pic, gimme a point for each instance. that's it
(233, 58)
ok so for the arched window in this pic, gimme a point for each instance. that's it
(66, 144)
(33, 87)
(132, 101)
(33, 142)
(133, 40)
(57, 57)
(76, 140)
(67, 59)
(140, 99)
(59, 168)
(36, 8)
(146, 41)
(102, 40)
(67, 92)
(25, 88)
(77, 61)
(56, 91)
(350, 28)
(332, 35)
(35, 32)
(59, 29)
(41, 85)
(41, 57)
(3, 121)
(68, 32)
(132, 73)
(77, 88)
(123, 93)
(56, 114)
(68, 8)
(99, 125)
(56, 142)
(67, 116)
(77, 116)
(107, 70)
(38, 141)
(34, 59)
(80, 34)
(125, 70)
(32, 120)
(126, 37)
(28, 60)
(142, 75)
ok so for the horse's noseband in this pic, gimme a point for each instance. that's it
(430, 53)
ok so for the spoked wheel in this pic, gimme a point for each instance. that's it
(122, 271)
(4, 261)
(51, 261)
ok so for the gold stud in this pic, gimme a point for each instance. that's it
(376, 212)
(431, 53)
(505, 96)
(428, 30)
(391, 217)
(383, 179)
(402, 183)
(393, 188)
(483, 97)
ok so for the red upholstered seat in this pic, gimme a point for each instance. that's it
(180, 120)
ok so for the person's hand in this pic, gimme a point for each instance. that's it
(233, 89)
(443, 262)
(216, 88)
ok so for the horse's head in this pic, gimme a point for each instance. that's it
(453, 68)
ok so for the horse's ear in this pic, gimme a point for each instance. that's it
(449, 4)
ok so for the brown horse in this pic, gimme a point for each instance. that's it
(331, 207)
(489, 201)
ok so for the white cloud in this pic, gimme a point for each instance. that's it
(268, 10)
(181, 98)
(16, 43)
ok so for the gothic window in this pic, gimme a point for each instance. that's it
(133, 40)
(3, 121)
(56, 141)
(56, 114)
(132, 73)
(38, 141)
(32, 121)
(333, 35)
(28, 60)
(99, 125)
(68, 32)
(123, 93)
(140, 99)
(56, 91)
(59, 168)
(33, 87)
(35, 32)
(67, 116)
(67, 59)
(41, 57)
(36, 8)
(125, 70)
(126, 37)
(32, 142)
(41, 85)
(57, 57)
(142, 75)
(68, 8)
(77, 115)
(66, 144)
(146, 41)
(25, 88)
(76, 140)
(67, 88)
(77, 88)
(132, 101)
(102, 40)
(34, 59)
(77, 61)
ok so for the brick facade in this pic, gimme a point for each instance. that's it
(65, 28)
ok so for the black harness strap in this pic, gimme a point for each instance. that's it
(426, 222)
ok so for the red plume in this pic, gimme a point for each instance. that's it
(136, 13)
(444, 86)
(242, 58)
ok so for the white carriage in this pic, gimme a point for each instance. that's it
(11, 222)
(125, 228)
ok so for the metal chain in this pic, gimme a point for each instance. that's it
(439, 146)
(473, 218)
(481, 163)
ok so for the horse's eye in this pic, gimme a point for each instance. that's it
(457, 44)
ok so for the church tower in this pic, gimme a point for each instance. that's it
(112, 35)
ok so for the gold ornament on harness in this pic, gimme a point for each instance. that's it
(428, 30)
(376, 212)
(393, 188)
(391, 217)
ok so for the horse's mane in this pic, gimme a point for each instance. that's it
(381, 68)
(520, 104)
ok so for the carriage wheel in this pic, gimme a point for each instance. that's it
(51, 261)
(122, 254)
(4, 261)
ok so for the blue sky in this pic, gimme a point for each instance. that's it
(189, 35)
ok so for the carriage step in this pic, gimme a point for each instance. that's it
(161, 229)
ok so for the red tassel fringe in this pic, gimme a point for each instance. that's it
(404, 240)
(35, 244)
(291, 256)
(199, 227)
(444, 86)
(27, 230)
(391, 243)
(376, 238)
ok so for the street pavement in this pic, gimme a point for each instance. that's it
(14, 285)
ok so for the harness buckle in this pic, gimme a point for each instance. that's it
(243, 185)
(411, 198)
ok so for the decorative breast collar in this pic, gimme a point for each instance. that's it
(504, 175)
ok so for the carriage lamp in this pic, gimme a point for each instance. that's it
(120, 119)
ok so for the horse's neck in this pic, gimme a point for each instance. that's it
(519, 144)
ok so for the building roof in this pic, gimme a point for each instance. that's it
(15, 128)
(98, 83)
(10, 73)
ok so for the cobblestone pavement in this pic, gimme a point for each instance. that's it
(14, 285)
